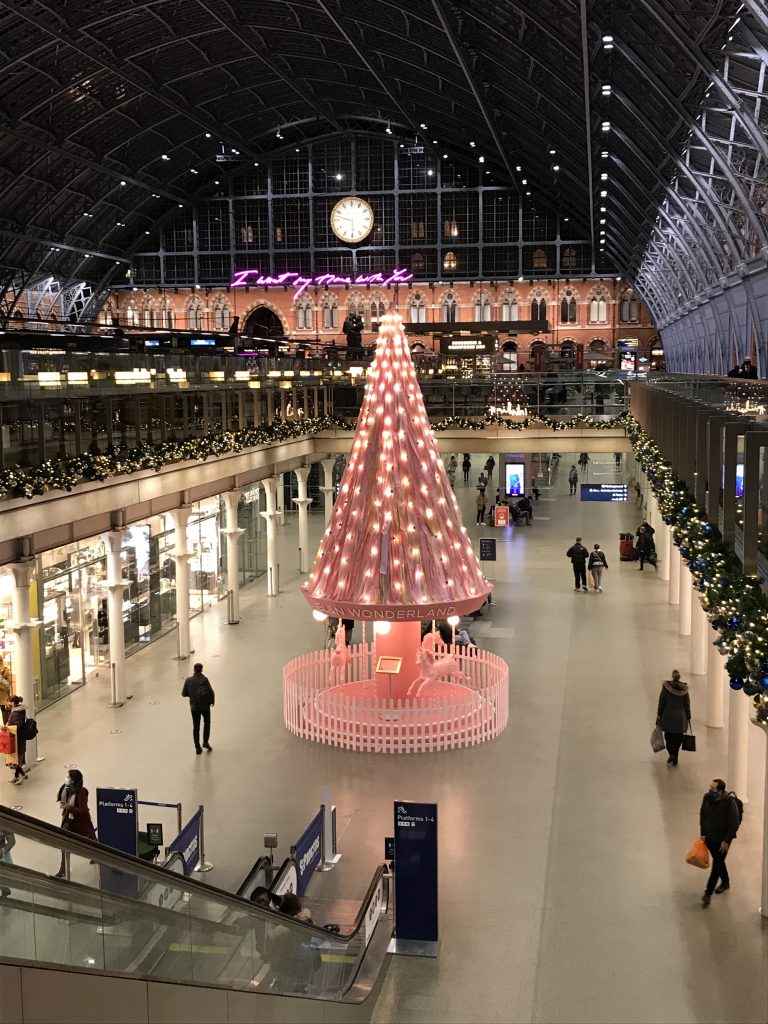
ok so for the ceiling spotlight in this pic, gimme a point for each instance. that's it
(445, 156)
(165, 157)
(606, 90)
(256, 163)
(123, 182)
(565, 218)
(602, 220)
(181, 206)
(604, 154)
(556, 167)
(518, 168)
(472, 144)
(603, 193)
(146, 232)
(388, 129)
(430, 172)
(603, 209)
(481, 159)
(552, 152)
(207, 135)
(607, 42)
(605, 126)
(339, 177)
(217, 182)
(524, 181)
(604, 176)
(520, 278)
(527, 193)
(193, 171)
(298, 150)
(423, 126)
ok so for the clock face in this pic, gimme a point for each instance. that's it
(352, 219)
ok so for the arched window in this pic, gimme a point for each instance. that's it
(568, 258)
(330, 312)
(167, 315)
(195, 315)
(131, 317)
(221, 316)
(450, 228)
(417, 229)
(304, 317)
(598, 309)
(450, 308)
(418, 263)
(148, 315)
(509, 307)
(449, 260)
(568, 308)
(418, 309)
(539, 309)
(378, 309)
(629, 309)
(539, 259)
(483, 307)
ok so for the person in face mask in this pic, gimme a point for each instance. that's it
(75, 816)
(719, 821)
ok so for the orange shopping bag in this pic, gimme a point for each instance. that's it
(698, 855)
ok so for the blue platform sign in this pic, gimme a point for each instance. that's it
(187, 843)
(117, 823)
(416, 877)
(309, 852)
(117, 819)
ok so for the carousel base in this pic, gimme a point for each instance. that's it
(349, 714)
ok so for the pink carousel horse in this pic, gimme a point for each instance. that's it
(434, 669)
(340, 657)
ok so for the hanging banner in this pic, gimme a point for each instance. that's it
(187, 843)
(309, 852)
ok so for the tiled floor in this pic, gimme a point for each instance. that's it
(564, 894)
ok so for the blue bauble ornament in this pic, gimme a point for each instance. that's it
(736, 683)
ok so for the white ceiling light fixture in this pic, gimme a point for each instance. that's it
(607, 42)
(605, 126)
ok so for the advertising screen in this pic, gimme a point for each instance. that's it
(740, 481)
(514, 479)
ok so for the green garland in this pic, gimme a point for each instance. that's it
(64, 474)
(735, 604)
(498, 420)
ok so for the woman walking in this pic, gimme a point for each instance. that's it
(16, 723)
(597, 562)
(674, 714)
(481, 502)
(75, 816)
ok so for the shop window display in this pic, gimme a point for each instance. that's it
(203, 540)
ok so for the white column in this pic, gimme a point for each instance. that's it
(738, 742)
(673, 591)
(717, 681)
(232, 532)
(699, 636)
(115, 592)
(665, 548)
(686, 590)
(764, 891)
(270, 516)
(327, 490)
(23, 628)
(303, 503)
(181, 556)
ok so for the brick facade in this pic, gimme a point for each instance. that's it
(593, 313)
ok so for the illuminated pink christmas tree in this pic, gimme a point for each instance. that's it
(395, 550)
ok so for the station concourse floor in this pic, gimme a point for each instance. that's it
(564, 896)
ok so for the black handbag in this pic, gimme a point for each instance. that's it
(689, 741)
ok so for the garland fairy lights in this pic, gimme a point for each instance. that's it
(735, 604)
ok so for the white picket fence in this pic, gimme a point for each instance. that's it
(316, 707)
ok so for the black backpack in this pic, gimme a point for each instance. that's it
(30, 729)
(739, 805)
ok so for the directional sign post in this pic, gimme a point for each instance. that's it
(416, 932)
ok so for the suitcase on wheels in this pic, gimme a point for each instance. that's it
(626, 547)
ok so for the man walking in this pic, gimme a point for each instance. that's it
(578, 555)
(201, 700)
(573, 479)
(719, 821)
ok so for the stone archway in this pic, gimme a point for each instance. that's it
(263, 322)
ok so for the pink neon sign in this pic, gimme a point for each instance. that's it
(300, 284)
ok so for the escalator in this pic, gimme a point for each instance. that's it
(157, 925)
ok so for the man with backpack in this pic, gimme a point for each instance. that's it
(201, 700)
(719, 820)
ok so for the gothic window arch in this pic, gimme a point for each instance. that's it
(510, 308)
(568, 307)
(568, 258)
(539, 259)
(330, 312)
(149, 314)
(629, 308)
(538, 307)
(167, 315)
(418, 309)
(598, 308)
(378, 309)
(482, 306)
(195, 314)
(221, 315)
(449, 260)
(304, 314)
(450, 308)
(418, 262)
(131, 315)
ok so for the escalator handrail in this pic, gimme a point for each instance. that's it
(33, 828)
